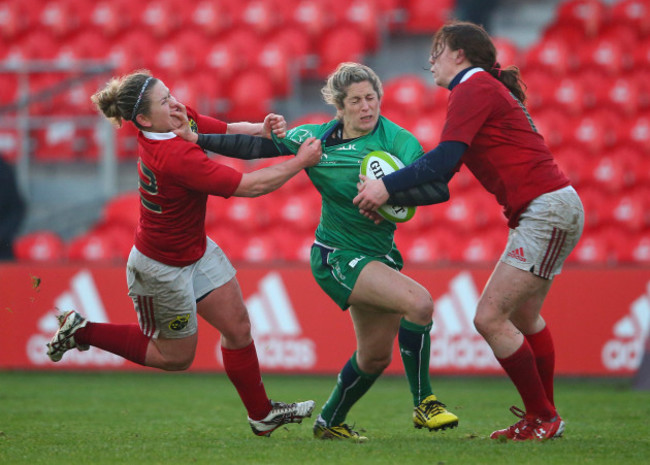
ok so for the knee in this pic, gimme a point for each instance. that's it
(238, 335)
(421, 308)
(374, 364)
(181, 362)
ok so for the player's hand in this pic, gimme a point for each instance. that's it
(374, 216)
(310, 152)
(275, 124)
(182, 123)
(372, 194)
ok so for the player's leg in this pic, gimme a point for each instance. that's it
(223, 307)
(375, 332)
(382, 287)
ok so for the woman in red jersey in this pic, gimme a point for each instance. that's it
(488, 129)
(174, 271)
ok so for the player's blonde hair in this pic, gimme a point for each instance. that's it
(335, 89)
(125, 97)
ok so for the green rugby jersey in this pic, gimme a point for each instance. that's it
(336, 177)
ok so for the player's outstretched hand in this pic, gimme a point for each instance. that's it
(182, 123)
(310, 152)
(275, 124)
(372, 194)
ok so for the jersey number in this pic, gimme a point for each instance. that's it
(148, 184)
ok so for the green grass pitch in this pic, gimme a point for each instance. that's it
(186, 418)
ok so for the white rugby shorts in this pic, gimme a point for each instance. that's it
(548, 231)
(165, 296)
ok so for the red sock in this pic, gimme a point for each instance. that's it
(522, 370)
(127, 341)
(541, 344)
(243, 369)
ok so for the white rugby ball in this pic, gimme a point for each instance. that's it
(376, 165)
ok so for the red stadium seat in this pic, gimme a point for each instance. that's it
(250, 96)
(362, 14)
(39, 246)
(14, 20)
(56, 142)
(299, 45)
(593, 248)
(474, 248)
(123, 210)
(507, 52)
(109, 18)
(427, 129)
(312, 16)
(58, 18)
(568, 96)
(160, 18)
(553, 125)
(635, 249)
(604, 55)
(593, 132)
(587, 16)
(608, 174)
(92, 247)
(595, 205)
(222, 61)
(276, 60)
(256, 248)
(293, 246)
(407, 94)
(638, 134)
(259, 16)
(632, 14)
(551, 56)
(426, 16)
(247, 215)
(574, 163)
(312, 118)
(338, 45)
(421, 248)
(629, 211)
(210, 18)
(295, 211)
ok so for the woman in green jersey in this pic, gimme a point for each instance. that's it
(355, 260)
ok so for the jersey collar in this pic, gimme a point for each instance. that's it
(463, 76)
(158, 135)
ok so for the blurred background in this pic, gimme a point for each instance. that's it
(586, 64)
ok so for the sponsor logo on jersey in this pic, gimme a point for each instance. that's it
(83, 297)
(347, 147)
(276, 329)
(625, 350)
(180, 322)
(518, 254)
(455, 343)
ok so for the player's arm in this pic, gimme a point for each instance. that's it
(273, 123)
(241, 146)
(268, 179)
(423, 182)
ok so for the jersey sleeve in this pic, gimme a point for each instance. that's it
(295, 137)
(196, 171)
(207, 124)
(469, 107)
(406, 147)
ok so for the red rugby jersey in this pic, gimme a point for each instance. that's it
(506, 153)
(175, 179)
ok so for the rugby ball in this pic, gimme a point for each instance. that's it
(376, 165)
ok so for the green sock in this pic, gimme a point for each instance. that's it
(351, 385)
(415, 349)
